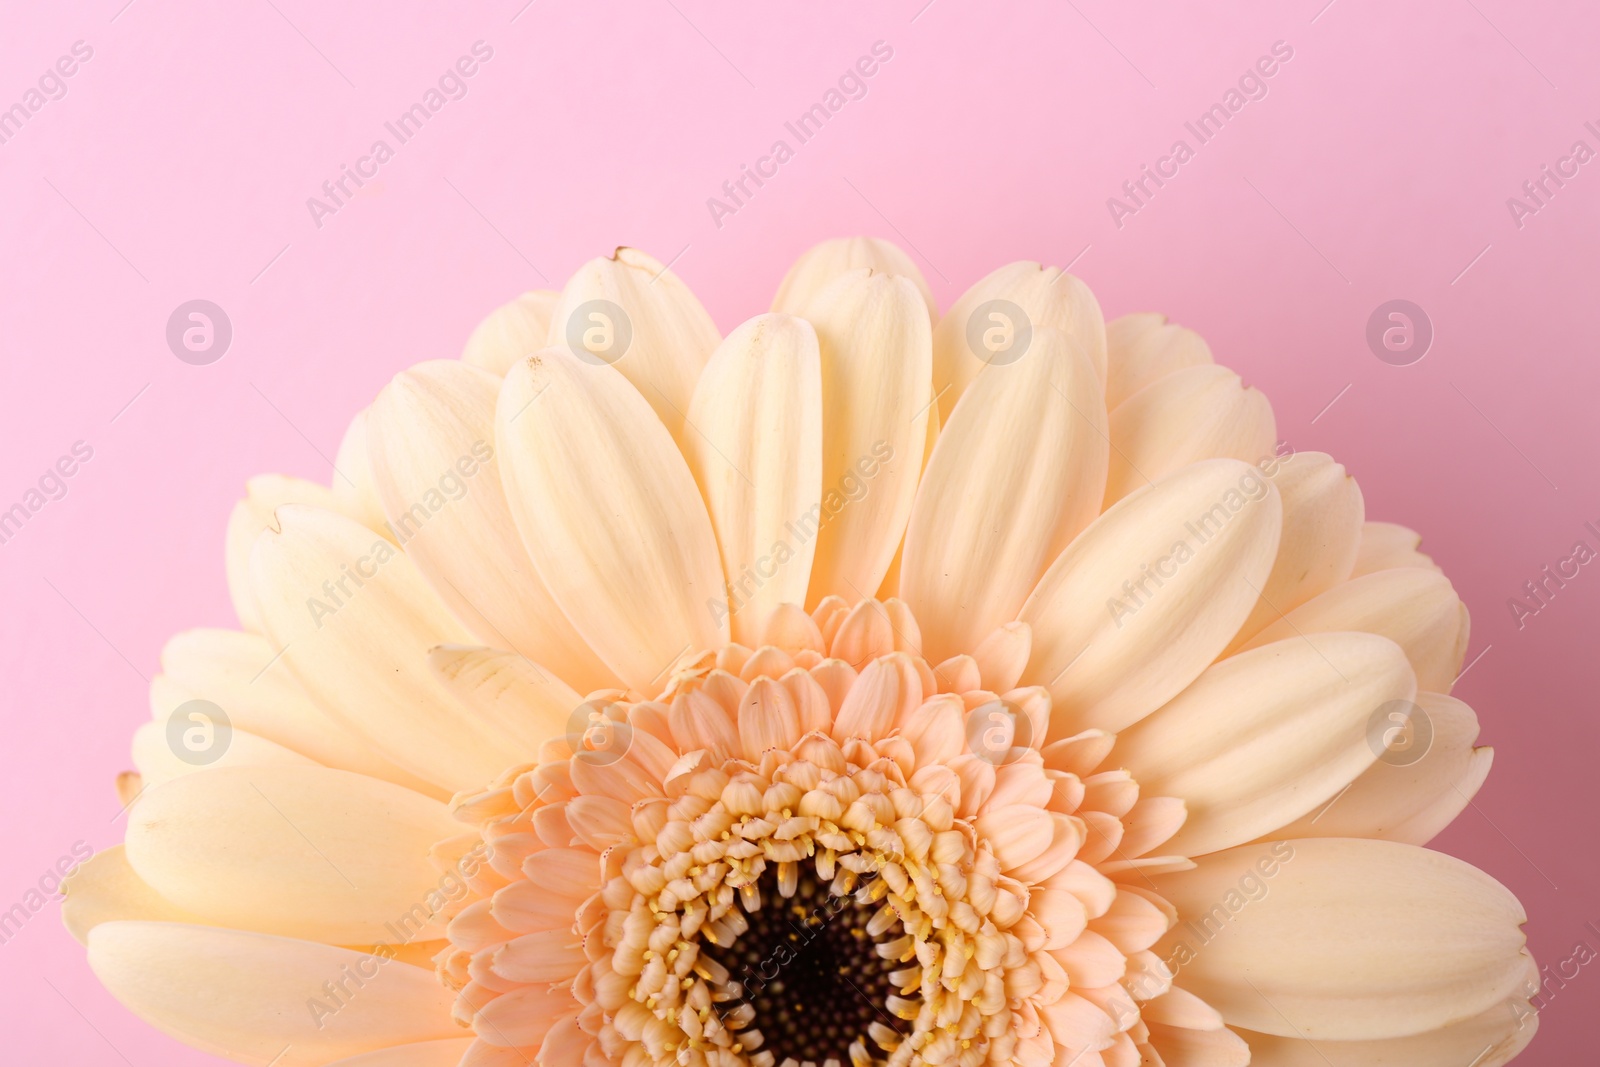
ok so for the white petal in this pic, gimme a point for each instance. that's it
(1143, 347)
(890, 587)
(245, 676)
(1417, 609)
(661, 341)
(1322, 518)
(1180, 1047)
(511, 332)
(518, 697)
(768, 719)
(1046, 296)
(353, 483)
(1265, 737)
(161, 755)
(259, 1000)
(1491, 1038)
(754, 443)
(1146, 597)
(1410, 794)
(875, 343)
(1202, 412)
(1385, 545)
(445, 1053)
(1017, 474)
(304, 852)
(1343, 939)
(263, 495)
(355, 621)
(104, 888)
(431, 438)
(822, 263)
(610, 514)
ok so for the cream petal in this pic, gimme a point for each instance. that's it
(262, 496)
(431, 437)
(1431, 821)
(1179, 1007)
(1322, 518)
(768, 719)
(245, 676)
(890, 587)
(105, 888)
(199, 746)
(446, 1053)
(936, 730)
(1080, 754)
(544, 956)
(258, 999)
(1491, 1038)
(1202, 412)
(660, 345)
(754, 443)
(1180, 1047)
(611, 515)
(1002, 656)
(1073, 1018)
(1384, 545)
(697, 722)
(1150, 824)
(865, 633)
(566, 1043)
(483, 1054)
(304, 852)
(822, 263)
(353, 484)
(560, 870)
(512, 331)
(1067, 838)
(1017, 834)
(1143, 347)
(523, 907)
(1110, 656)
(1343, 939)
(1046, 296)
(1018, 472)
(522, 1018)
(790, 627)
(1265, 737)
(355, 620)
(1417, 609)
(868, 712)
(1409, 796)
(875, 344)
(599, 822)
(1061, 914)
(1092, 961)
(518, 698)
(1023, 782)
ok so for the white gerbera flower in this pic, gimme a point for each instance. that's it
(863, 688)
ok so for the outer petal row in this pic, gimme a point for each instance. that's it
(1344, 939)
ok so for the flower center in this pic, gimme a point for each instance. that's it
(818, 853)
(814, 973)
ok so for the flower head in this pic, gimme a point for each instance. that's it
(864, 687)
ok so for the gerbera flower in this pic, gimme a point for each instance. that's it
(866, 687)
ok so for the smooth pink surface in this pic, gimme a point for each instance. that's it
(178, 164)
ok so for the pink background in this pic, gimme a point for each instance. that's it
(178, 164)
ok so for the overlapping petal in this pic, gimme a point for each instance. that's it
(610, 515)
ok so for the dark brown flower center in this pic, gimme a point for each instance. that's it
(812, 973)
